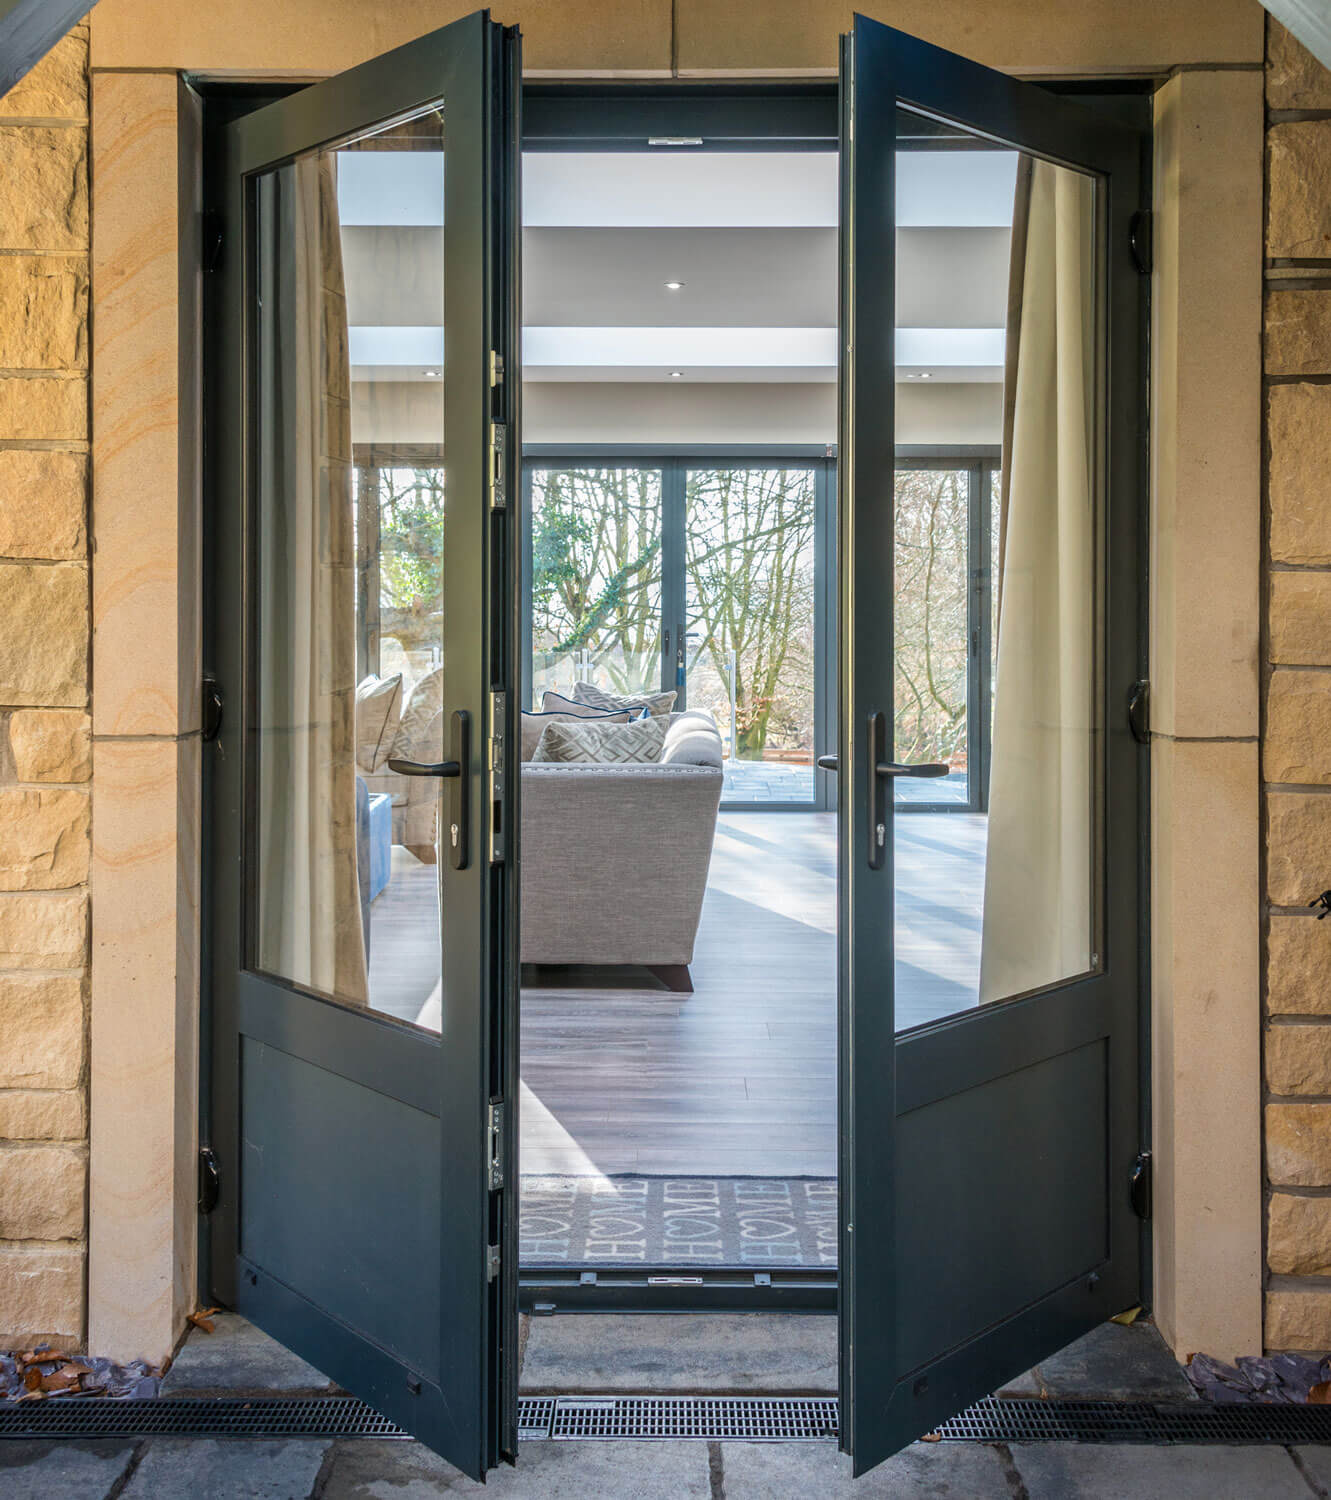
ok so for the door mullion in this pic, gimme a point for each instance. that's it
(673, 588)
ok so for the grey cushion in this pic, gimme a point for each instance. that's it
(378, 714)
(596, 742)
(556, 703)
(533, 725)
(655, 703)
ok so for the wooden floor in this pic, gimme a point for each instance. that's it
(739, 1078)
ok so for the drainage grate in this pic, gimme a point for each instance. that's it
(757, 1418)
(263, 1417)
(770, 1418)
(994, 1420)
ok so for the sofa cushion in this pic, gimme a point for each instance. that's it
(422, 718)
(655, 703)
(533, 725)
(638, 742)
(378, 714)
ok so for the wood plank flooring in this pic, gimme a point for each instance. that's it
(739, 1078)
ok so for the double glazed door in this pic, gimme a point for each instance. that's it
(363, 1072)
(989, 1129)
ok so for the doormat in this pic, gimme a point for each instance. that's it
(730, 1223)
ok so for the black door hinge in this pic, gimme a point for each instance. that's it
(1139, 711)
(1139, 1186)
(210, 1180)
(210, 240)
(1140, 235)
(210, 707)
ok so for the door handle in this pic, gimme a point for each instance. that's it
(458, 770)
(884, 772)
(893, 768)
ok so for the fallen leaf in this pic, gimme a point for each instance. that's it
(931, 1437)
(1320, 1394)
(204, 1318)
(63, 1379)
(32, 1379)
(1128, 1318)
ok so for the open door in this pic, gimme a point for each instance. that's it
(990, 1128)
(362, 976)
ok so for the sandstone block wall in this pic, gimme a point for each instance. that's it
(45, 761)
(1296, 736)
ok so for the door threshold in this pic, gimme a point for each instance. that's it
(544, 1290)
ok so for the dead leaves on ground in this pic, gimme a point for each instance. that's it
(204, 1318)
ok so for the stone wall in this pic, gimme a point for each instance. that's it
(45, 759)
(1296, 734)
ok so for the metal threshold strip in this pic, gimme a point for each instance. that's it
(738, 1418)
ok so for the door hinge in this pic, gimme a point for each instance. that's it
(210, 707)
(498, 466)
(491, 1262)
(1140, 235)
(496, 368)
(210, 240)
(1139, 1186)
(1139, 711)
(494, 1143)
(210, 1180)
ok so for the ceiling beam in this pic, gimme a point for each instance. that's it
(1309, 21)
(28, 31)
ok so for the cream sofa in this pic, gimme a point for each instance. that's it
(614, 857)
(415, 798)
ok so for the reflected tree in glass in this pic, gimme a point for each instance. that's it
(751, 590)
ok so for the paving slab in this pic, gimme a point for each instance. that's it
(40, 1470)
(545, 1471)
(1317, 1463)
(237, 1469)
(767, 1353)
(924, 1471)
(237, 1358)
(1114, 1363)
(1121, 1471)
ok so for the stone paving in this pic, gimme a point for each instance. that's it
(630, 1353)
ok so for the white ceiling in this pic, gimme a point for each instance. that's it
(751, 237)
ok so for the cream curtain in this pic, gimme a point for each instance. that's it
(309, 910)
(1037, 903)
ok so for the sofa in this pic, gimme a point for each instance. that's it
(615, 857)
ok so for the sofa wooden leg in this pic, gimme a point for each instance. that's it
(675, 977)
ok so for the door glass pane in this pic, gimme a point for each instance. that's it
(595, 580)
(931, 632)
(998, 353)
(347, 337)
(751, 651)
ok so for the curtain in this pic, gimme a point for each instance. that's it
(308, 919)
(1038, 872)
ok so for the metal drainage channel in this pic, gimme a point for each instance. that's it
(756, 1418)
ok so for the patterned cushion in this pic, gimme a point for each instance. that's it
(533, 725)
(378, 712)
(594, 697)
(593, 740)
(422, 717)
(556, 703)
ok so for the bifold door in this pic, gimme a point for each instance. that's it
(361, 925)
(990, 1118)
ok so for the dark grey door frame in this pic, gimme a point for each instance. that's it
(926, 1115)
(462, 1400)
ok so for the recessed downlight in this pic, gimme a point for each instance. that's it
(677, 374)
(431, 374)
(674, 286)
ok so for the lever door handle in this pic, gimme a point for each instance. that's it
(439, 768)
(892, 768)
(458, 770)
